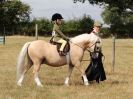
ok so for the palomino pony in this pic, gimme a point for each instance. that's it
(41, 52)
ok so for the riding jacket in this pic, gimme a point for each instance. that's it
(57, 33)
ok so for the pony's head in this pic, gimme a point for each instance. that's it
(87, 41)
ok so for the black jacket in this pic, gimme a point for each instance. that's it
(95, 70)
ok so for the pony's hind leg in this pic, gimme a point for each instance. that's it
(28, 66)
(19, 82)
(36, 71)
(69, 74)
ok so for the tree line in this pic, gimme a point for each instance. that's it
(118, 15)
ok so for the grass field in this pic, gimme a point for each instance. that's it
(119, 85)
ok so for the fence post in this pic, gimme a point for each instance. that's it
(113, 54)
(4, 36)
(36, 31)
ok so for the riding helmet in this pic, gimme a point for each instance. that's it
(56, 16)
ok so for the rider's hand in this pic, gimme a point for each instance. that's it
(68, 39)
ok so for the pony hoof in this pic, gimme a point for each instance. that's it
(87, 84)
(67, 85)
(40, 85)
(19, 84)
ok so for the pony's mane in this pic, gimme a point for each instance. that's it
(80, 38)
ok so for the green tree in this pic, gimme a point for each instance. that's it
(121, 4)
(118, 14)
(45, 26)
(86, 24)
(71, 27)
(120, 23)
(12, 13)
(78, 26)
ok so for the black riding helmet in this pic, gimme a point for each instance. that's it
(56, 16)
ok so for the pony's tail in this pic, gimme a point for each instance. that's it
(21, 60)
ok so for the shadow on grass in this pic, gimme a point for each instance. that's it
(115, 82)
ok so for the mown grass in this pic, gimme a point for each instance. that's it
(119, 85)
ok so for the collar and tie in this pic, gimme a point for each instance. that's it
(96, 33)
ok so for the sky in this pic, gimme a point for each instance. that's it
(68, 9)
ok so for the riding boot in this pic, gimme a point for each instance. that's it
(62, 53)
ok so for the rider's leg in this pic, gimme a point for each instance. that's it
(63, 43)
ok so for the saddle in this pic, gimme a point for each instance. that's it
(65, 50)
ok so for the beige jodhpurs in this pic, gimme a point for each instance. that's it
(63, 43)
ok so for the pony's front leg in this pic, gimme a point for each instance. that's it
(85, 80)
(82, 73)
(36, 78)
(69, 75)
